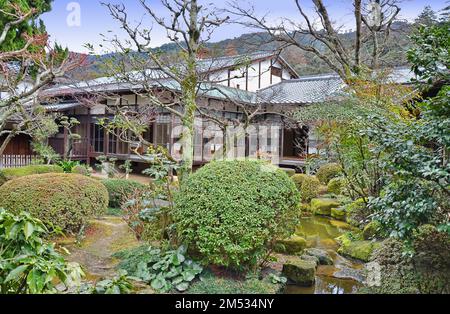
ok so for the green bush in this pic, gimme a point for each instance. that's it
(231, 212)
(357, 213)
(372, 230)
(336, 186)
(299, 179)
(163, 270)
(2, 178)
(28, 264)
(67, 201)
(81, 169)
(328, 172)
(211, 284)
(290, 172)
(119, 190)
(308, 186)
(13, 173)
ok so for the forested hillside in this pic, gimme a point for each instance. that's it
(394, 52)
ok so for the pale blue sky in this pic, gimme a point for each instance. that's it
(95, 18)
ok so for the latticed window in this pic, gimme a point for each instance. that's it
(113, 140)
(97, 138)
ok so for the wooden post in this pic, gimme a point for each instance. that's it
(88, 140)
(65, 144)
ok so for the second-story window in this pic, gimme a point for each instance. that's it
(277, 72)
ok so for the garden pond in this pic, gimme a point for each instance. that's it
(345, 276)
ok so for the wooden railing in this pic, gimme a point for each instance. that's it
(12, 161)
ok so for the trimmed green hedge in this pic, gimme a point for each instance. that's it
(307, 185)
(67, 201)
(328, 172)
(336, 186)
(119, 190)
(13, 173)
(230, 212)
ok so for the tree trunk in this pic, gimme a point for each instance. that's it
(188, 121)
(358, 19)
(189, 93)
(6, 142)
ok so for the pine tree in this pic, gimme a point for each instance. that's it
(30, 27)
(427, 17)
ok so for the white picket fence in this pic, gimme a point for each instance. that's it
(12, 161)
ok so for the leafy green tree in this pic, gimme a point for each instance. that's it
(415, 151)
(27, 67)
(430, 56)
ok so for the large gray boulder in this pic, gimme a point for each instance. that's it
(300, 272)
(322, 255)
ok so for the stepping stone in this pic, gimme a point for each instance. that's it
(300, 272)
(322, 255)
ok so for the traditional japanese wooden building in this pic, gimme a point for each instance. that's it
(268, 82)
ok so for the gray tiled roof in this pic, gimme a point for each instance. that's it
(61, 106)
(311, 89)
(305, 90)
(212, 64)
(320, 88)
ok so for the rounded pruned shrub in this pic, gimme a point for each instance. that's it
(67, 201)
(328, 172)
(229, 213)
(120, 190)
(337, 186)
(13, 173)
(299, 179)
(308, 186)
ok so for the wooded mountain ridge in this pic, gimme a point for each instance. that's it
(394, 53)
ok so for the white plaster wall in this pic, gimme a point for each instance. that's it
(98, 109)
(237, 78)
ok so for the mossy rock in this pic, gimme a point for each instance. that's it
(360, 250)
(299, 232)
(339, 213)
(322, 255)
(323, 206)
(372, 230)
(293, 245)
(310, 258)
(353, 245)
(305, 208)
(349, 237)
(341, 225)
(300, 272)
(312, 240)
